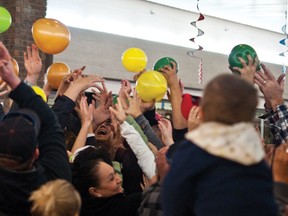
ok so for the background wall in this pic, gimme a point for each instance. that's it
(101, 54)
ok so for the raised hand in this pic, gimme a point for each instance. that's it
(134, 108)
(248, 71)
(170, 74)
(67, 80)
(104, 98)
(194, 118)
(118, 112)
(81, 83)
(6, 68)
(85, 111)
(33, 64)
(165, 127)
(271, 88)
(124, 90)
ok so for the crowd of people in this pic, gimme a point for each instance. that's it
(86, 155)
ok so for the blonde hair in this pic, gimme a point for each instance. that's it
(55, 198)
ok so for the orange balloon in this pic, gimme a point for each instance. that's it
(56, 72)
(50, 35)
(15, 67)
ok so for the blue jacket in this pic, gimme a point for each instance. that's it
(200, 184)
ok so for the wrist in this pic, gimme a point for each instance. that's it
(276, 103)
(13, 83)
(136, 114)
(86, 124)
(169, 142)
(174, 84)
(32, 79)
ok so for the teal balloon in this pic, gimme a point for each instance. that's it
(5, 19)
(241, 50)
(165, 61)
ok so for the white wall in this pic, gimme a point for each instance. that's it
(101, 53)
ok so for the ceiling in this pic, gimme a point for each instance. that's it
(265, 14)
(168, 21)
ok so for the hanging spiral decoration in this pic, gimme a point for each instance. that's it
(192, 53)
(284, 42)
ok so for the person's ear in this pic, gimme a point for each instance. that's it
(94, 192)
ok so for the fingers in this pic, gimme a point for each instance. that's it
(99, 89)
(4, 54)
(35, 52)
(2, 85)
(25, 57)
(3, 92)
(281, 80)
(194, 112)
(267, 73)
(104, 87)
(29, 54)
(260, 78)
(256, 62)
(243, 62)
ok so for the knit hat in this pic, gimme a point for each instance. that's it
(188, 101)
(18, 134)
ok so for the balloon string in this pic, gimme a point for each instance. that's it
(192, 53)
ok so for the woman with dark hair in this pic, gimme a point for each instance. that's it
(100, 186)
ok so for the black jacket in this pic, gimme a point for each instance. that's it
(16, 187)
(117, 205)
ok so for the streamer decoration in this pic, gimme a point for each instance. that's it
(192, 53)
(284, 41)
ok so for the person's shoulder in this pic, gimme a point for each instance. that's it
(183, 146)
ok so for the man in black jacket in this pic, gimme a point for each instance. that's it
(32, 149)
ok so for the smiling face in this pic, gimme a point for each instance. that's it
(104, 131)
(109, 181)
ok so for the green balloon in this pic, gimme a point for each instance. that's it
(115, 99)
(165, 61)
(5, 19)
(241, 50)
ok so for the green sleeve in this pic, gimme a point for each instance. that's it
(130, 120)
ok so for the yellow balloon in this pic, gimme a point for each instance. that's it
(151, 85)
(39, 91)
(50, 35)
(134, 60)
(56, 73)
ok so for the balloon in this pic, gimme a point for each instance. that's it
(39, 91)
(241, 50)
(5, 19)
(151, 85)
(134, 59)
(115, 99)
(50, 35)
(15, 67)
(165, 61)
(56, 73)
(188, 101)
